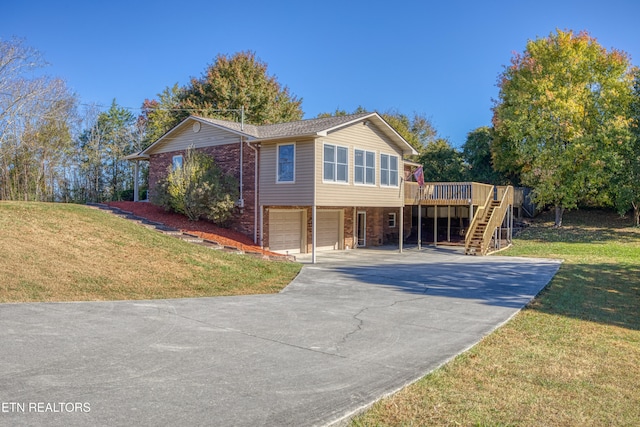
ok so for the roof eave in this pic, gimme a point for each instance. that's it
(136, 156)
(407, 149)
(298, 136)
(355, 120)
(228, 129)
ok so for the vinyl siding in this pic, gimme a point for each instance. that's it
(369, 138)
(184, 137)
(298, 193)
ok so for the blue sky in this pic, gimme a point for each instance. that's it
(436, 58)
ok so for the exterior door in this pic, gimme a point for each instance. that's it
(361, 229)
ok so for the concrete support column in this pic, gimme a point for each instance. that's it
(313, 234)
(401, 234)
(448, 223)
(435, 226)
(136, 179)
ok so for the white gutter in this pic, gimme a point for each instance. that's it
(241, 200)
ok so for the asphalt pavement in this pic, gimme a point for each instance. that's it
(354, 327)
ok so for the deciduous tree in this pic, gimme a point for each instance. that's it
(625, 167)
(560, 110)
(35, 124)
(476, 152)
(417, 130)
(160, 115)
(241, 80)
(103, 145)
(442, 162)
(231, 83)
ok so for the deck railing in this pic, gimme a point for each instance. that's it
(480, 216)
(447, 193)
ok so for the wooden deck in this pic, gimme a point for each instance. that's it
(491, 208)
(452, 193)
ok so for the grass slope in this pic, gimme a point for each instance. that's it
(571, 358)
(58, 252)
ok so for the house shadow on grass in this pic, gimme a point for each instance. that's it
(574, 234)
(604, 293)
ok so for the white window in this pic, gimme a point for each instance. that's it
(391, 220)
(286, 163)
(365, 167)
(335, 164)
(388, 170)
(176, 162)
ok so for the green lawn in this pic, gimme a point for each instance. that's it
(571, 358)
(64, 252)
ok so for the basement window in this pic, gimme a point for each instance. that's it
(391, 220)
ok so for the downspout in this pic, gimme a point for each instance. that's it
(313, 210)
(255, 193)
(241, 199)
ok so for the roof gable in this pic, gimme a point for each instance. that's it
(302, 128)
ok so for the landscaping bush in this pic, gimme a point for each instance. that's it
(198, 189)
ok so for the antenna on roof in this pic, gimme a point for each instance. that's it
(242, 118)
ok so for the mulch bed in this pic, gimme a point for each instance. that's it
(202, 228)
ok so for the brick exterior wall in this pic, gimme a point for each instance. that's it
(227, 158)
(349, 228)
(408, 222)
(391, 235)
(375, 226)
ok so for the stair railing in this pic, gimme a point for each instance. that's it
(497, 217)
(479, 216)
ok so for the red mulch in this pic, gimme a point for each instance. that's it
(202, 228)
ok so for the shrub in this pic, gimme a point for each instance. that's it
(198, 189)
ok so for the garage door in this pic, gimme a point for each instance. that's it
(328, 230)
(285, 231)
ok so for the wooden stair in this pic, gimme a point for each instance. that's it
(474, 246)
(488, 218)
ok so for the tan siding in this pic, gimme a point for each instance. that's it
(359, 136)
(299, 193)
(184, 137)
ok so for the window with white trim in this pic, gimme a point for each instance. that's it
(176, 162)
(364, 167)
(286, 163)
(391, 220)
(336, 166)
(388, 170)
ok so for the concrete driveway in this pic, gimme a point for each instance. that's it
(354, 327)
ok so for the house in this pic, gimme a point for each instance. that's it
(312, 185)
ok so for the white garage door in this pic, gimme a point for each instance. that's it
(328, 230)
(285, 231)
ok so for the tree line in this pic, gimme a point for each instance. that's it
(51, 149)
(565, 123)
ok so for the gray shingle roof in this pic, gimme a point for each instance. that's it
(301, 128)
(290, 129)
